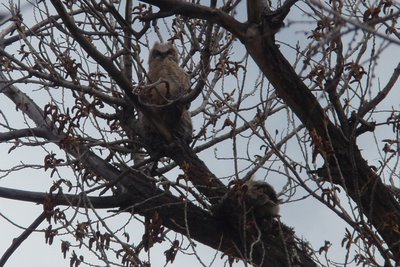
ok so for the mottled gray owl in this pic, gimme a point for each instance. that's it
(173, 82)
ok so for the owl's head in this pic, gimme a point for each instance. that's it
(262, 196)
(162, 51)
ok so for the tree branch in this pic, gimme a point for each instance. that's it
(18, 241)
(381, 95)
(64, 199)
(37, 132)
(202, 12)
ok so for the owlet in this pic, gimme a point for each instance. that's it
(173, 82)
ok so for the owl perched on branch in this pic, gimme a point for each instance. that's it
(248, 203)
(170, 83)
(262, 197)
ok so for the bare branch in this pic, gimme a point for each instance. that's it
(382, 94)
(202, 12)
(18, 241)
(62, 199)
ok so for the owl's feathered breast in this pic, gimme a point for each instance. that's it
(171, 82)
(175, 78)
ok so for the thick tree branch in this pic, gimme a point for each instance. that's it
(37, 132)
(25, 104)
(188, 9)
(106, 202)
(255, 8)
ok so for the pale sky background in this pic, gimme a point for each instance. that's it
(310, 219)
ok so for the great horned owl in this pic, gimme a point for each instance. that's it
(249, 202)
(262, 197)
(172, 82)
